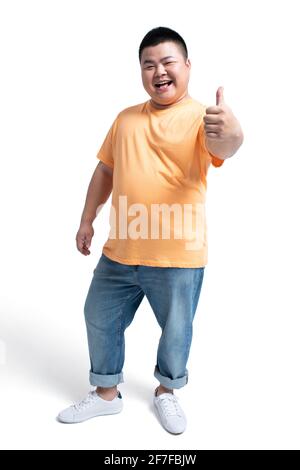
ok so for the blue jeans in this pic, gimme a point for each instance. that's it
(115, 294)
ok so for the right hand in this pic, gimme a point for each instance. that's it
(84, 238)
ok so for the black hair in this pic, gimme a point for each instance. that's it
(162, 34)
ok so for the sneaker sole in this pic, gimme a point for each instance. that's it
(64, 421)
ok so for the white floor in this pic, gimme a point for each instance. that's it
(243, 390)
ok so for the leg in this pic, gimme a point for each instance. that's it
(174, 307)
(110, 306)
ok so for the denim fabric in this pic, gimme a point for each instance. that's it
(115, 294)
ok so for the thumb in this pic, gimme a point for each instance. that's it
(86, 241)
(219, 96)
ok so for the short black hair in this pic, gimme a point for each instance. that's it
(162, 34)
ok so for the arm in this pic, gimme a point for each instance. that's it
(98, 192)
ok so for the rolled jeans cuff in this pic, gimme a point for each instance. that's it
(108, 380)
(171, 383)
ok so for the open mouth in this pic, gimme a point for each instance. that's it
(164, 85)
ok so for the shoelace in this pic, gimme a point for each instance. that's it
(85, 402)
(170, 406)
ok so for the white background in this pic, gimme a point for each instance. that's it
(67, 69)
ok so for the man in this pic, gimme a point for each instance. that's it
(155, 159)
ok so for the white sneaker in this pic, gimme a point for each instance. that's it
(90, 407)
(170, 412)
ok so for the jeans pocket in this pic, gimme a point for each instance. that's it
(106, 259)
(100, 261)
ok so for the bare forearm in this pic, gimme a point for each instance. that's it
(98, 192)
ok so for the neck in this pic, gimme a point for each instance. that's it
(163, 106)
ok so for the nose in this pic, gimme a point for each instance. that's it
(160, 70)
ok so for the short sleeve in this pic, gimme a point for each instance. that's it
(106, 152)
(216, 161)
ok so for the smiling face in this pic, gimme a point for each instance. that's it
(165, 63)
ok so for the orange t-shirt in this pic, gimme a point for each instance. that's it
(160, 163)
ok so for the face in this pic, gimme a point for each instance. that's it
(165, 62)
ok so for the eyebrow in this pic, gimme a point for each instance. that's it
(152, 62)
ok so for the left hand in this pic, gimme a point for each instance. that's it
(219, 120)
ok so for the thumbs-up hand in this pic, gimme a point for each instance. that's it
(219, 121)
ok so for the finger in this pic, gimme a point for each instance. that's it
(211, 128)
(212, 119)
(82, 247)
(85, 251)
(213, 110)
(212, 135)
(87, 243)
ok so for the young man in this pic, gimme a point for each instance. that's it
(154, 159)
